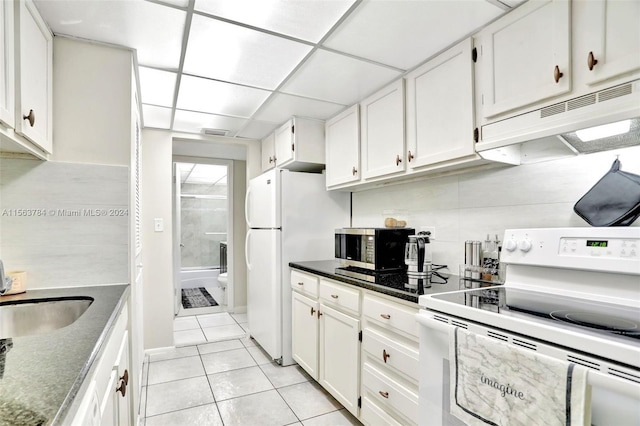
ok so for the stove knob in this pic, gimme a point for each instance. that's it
(524, 245)
(510, 245)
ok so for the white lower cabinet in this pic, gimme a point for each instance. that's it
(107, 399)
(326, 336)
(361, 346)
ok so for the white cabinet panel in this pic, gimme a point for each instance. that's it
(34, 79)
(7, 64)
(526, 56)
(305, 333)
(382, 127)
(440, 118)
(268, 152)
(612, 30)
(342, 138)
(340, 356)
(299, 145)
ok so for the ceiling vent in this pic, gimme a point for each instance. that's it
(215, 132)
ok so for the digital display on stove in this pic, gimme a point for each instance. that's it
(597, 243)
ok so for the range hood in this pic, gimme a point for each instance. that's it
(554, 127)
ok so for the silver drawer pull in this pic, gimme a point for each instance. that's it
(384, 394)
(335, 296)
(300, 283)
(385, 316)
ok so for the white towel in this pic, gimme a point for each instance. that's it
(499, 384)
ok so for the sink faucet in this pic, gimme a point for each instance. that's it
(5, 282)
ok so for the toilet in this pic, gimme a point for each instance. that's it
(222, 279)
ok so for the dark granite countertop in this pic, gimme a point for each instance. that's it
(44, 372)
(327, 268)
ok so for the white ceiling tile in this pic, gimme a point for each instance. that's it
(303, 19)
(281, 107)
(157, 87)
(201, 94)
(179, 3)
(155, 31)
(232, 53)
(405, 33)
(194, 122)
(156, 117)
(337, 78)
(257, 129)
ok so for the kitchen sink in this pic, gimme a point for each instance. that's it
(27, 317)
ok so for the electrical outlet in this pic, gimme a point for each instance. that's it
(431, 229)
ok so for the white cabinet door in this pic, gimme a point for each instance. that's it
(284, 143)
(342, 134)
(268, 152)
(109, 407)
(305, 333)
(340, 357)
(7, 64)
(34, 79)
(526, 56)
(121, 367)
(612, 28)
(382, 127)
(440, 108)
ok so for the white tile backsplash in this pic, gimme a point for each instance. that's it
(67, 240)
(471, 205)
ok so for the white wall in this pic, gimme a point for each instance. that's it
(157, 257)
(470, 206)
(239, 232)
(91, 102)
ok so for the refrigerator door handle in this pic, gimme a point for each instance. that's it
(246, 250)
(246, 206)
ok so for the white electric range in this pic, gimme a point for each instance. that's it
(570, 293)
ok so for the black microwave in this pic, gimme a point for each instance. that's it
(376, 249)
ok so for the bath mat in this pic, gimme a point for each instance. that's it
(197, 298)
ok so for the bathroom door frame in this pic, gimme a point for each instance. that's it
(177, 232)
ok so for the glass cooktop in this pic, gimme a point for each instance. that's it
(595, 316)
(395, 278)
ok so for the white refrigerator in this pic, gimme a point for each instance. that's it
(291, 217)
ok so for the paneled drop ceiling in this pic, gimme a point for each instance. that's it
(243, 67)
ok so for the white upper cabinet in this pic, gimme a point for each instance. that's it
(7, 64)
(382, 132)
(608, 43)
(33, 76)
(342, 138)
(299, 145)
(268, 152)
(526, 56)
(440, 119)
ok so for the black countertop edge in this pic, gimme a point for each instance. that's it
(89, 365)
(326, 268)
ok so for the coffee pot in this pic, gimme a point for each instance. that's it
(417, 257)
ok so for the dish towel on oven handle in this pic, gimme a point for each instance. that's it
(498, 384)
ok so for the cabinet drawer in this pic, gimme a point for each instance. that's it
(304, 283)
(340, 296)
(394, 354)
(372, 414)
(388, 392)
(392, 316)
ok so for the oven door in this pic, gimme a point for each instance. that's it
(614, 401)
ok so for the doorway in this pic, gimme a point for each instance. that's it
(203, 226)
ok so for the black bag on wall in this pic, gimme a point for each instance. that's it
(613, 201)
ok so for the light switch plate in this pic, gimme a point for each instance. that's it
(158, 224)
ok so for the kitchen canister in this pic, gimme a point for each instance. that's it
(18, 282)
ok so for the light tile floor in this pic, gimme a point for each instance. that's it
(232, 382)
(192, 330)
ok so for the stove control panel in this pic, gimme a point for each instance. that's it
(600, 249)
